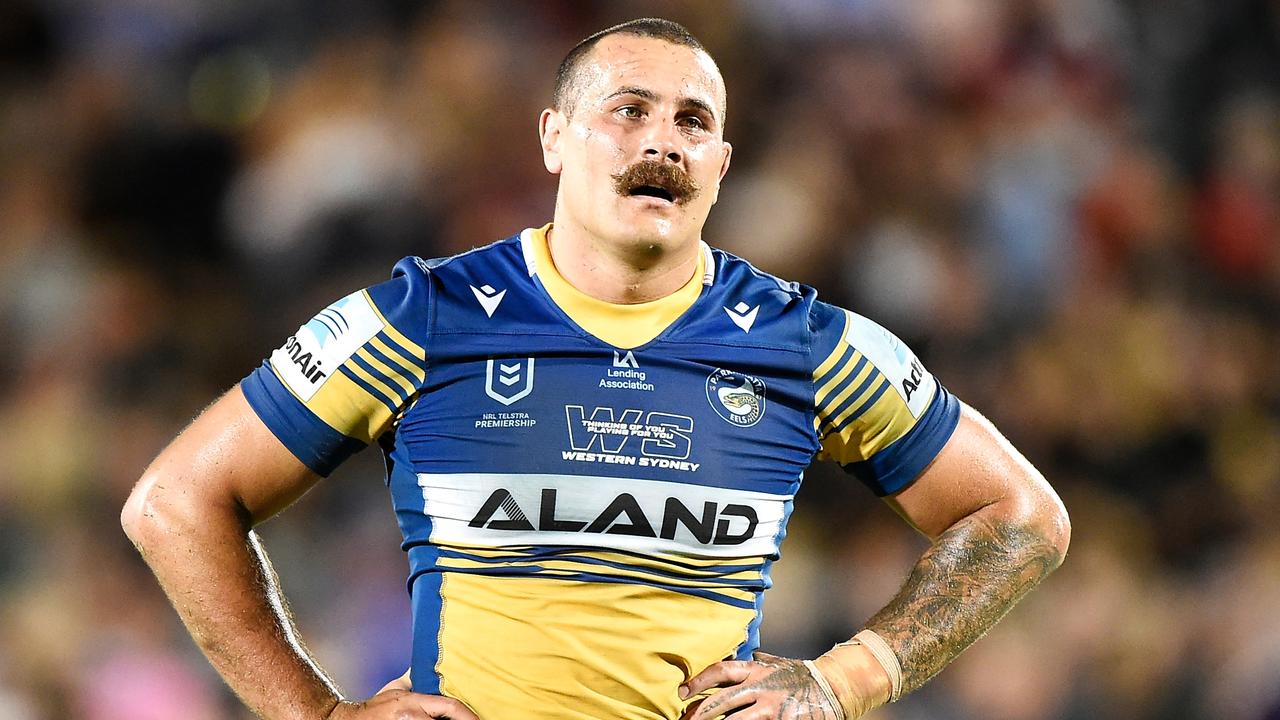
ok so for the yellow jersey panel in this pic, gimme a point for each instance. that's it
(599, 650)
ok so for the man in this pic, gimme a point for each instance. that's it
(594, 431)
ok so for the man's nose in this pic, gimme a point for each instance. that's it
(660, 146)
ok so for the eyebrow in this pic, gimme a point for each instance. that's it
(651, 96)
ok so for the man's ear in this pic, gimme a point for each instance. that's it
(724, 168)
(551, 125)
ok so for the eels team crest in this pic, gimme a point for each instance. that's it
(736, 397)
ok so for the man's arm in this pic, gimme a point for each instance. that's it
(191, 516)
(997, 529)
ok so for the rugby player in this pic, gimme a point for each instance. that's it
(594, 431)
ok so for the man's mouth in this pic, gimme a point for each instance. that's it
(662, 181)
(652, 191)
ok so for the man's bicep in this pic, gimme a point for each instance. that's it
(977, 468)
(228, 458)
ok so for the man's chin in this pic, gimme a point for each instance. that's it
(652, 229)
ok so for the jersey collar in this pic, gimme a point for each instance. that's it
(623, 326)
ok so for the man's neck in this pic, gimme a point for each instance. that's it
(624, 276)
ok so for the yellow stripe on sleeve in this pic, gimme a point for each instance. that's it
(349, 409)
(831, 360)
(868, 371)
(821, 398)
(879, 426)
(373, 381)
(392, 373)
(407, 367)
(412, 347)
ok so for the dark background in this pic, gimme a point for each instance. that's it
(1071, 209)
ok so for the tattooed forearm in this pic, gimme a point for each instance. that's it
(962, 585)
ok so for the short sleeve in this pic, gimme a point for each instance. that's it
(877, 411)
(343, 378)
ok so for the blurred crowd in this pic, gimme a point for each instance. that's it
(1070, 208)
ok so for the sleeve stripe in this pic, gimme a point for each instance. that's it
(847, 379)
(830, 381)
(396, 358)
(843, 423)
(388, 370)
(838, 415)
(365, 385)
(835, 355)
(837, 359)
(416, 360)
(411, 348)
(839, 407)
(375, 377)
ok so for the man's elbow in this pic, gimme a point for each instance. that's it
(1044, 515)
(139, 516)
(1057, 530)
(160, 509)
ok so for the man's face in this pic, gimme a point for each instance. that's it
(641, 150)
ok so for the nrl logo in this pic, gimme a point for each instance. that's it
(736, 397)
(508, 380)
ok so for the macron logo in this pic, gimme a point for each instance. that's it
(743, 316)
(488, 297)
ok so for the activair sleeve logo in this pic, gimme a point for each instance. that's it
(312, 354)
(736, 397)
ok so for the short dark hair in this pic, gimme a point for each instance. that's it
(658, 28)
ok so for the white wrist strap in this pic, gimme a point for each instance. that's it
(821, 679)
(884, 655)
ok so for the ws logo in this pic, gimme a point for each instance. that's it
(665, 439)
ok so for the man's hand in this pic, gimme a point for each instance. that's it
(396, 703)
(767, 687)
(401, 683)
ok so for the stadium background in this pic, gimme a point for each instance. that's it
(1070, 208)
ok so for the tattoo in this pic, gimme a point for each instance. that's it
(804, 699)
(801, 699)
(969, 579)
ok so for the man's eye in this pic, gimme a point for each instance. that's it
(694, 122)
(629, 111)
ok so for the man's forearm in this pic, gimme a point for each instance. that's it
(223, 587)
(971, 576)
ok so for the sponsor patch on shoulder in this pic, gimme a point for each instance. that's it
(311, 355)
(913, 383)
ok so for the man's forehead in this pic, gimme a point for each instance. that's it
(664, 68)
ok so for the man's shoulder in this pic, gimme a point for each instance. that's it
(497, 254)
(745, 307)
(742, 288)
(732, 271)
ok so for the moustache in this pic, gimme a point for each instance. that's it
(656, 179)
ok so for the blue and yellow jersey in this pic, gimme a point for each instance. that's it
(591, 495)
